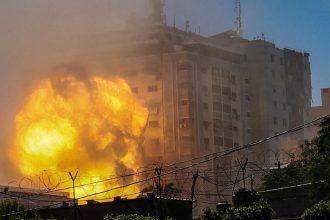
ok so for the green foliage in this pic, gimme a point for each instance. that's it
(259, 211)
(33, 218)
(131, 217)
(312, 166)
(294, 173)
(210, 215)
(320, 211)
(10, 210)
(128, 217)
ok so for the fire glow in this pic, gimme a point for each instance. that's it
(90, 124)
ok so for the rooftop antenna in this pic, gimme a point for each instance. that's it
(238, 21)
(187, 26)
(158, 11)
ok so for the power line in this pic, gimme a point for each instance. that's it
(236, 149)
(215, 156)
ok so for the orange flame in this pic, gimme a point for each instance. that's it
(90, 124)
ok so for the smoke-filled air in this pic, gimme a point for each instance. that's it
(90, 124)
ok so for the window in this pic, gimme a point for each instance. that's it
(248, 114)
(284, 122)
(185, 85)
(185, 93)
(205, 106)
(233, 79)
(206, 125)
(273, 74)
(217, 106)
(272, 58)
(275, 120)
(205, 90)
(184, 66)
(245, 58)
(275, 104)
(216, 89)
(186, 141)
(217, 127)
(215, 72)
(184, 76)
(284, 107)
(247, 97)
(153, 88)
(281, 60)
(154, 142)
(228, 142)
(226, 108)
(247, 81)
(274, 90)
(226, 91)
(154, 109)
(168, 36)
(185, 123)
(153, 124)
(135, 90)
(206, 142)
(204, 70)
(185, 102)
(282, 76)
(218, 141)
(178, 40)
(226, 75)
(233, 96)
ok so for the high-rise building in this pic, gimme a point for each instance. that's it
(192, 90)
(208, 95)
(276, 95)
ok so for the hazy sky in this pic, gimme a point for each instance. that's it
(36, 34)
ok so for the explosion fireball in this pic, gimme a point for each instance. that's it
(90, 124)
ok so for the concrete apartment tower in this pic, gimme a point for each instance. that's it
(276, 95)
(192, 90)
(208, 95)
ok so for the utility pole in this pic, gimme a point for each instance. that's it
(251, 176)
(158, 11)
(195, 176)
(243, 167)
(158, 171)
(73, 178)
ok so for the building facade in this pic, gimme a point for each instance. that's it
(320, 111)
(207, 95)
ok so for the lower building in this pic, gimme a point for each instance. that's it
(32, 198)
(320, 111)
(156, 207)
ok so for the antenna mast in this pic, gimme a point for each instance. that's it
(158, 13)
(238, 21)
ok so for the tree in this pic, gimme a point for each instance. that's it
(319, 211)
(258, 211)
(128, 217)
(312, 166)
(10, 210)
(293, 174)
